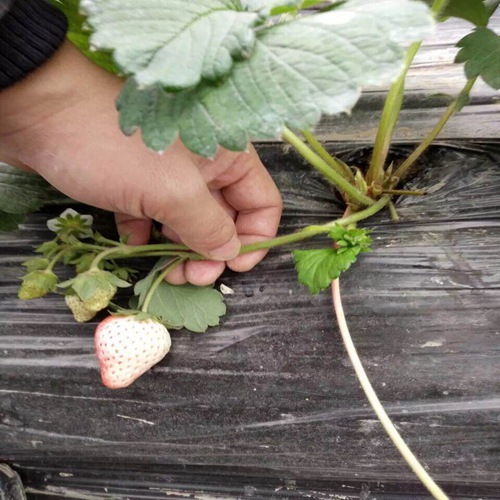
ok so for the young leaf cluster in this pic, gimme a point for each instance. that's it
(317, 268)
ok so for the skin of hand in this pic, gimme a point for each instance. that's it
(61, 122)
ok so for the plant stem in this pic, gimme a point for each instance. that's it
(55, 259)
(393, 211)
(89, 246)
(319, 164)
(450, 110)
(102, 256)
(438, 6)
(371, 395)
(339, 167)
(363, 214)
(99, 238)
(159, 246)
(310, 231)
(139, 251)
(183, 252)
(390, 116)
(159, 253)
(156, 283)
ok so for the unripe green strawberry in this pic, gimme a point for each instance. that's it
(127, 347)
(100, 299)
(80, 312)
(37, 284)
(96, 288)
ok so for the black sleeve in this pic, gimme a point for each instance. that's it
(30, 32)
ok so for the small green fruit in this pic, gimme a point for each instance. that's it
(37, 284)
(80, 312)
(96, 288)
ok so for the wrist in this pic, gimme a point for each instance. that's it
(34, 109)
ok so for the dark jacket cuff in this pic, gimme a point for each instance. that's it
(30, 32)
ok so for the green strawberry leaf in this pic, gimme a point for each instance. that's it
(185, 42)
(298, 70)
(48, 248)
(480, 51)
(192, 307)
(491, 6)
(141, 288)
(23, 192)
(317, 268)
(10, 222)
(473, 11)
(36, 264)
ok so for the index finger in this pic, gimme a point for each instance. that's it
(248, 187)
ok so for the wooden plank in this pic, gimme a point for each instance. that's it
(432, 82)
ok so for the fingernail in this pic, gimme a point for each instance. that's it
(226, 252)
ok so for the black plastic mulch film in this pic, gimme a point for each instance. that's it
(272, 389)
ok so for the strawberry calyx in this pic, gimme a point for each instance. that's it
(37, 284)
(95, 287)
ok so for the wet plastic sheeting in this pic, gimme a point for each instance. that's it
(272, 388)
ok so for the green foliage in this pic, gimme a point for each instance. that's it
(480, 51)
(186, 41)
(37, 284)
(36, 264)
(79, 34)
(22, 192)
(491, 6)
(48, 248)
(185, 306)
(473, 11)
(95, 287)
(10, 222)
(142, 287)
(351, 238)
(317, 268)
(294, 72)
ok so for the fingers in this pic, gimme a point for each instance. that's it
(248, 192)
(199, 273)
(137, 230)
(203, 273)
(251, 191)
(194, 215)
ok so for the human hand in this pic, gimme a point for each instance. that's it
(61, 122)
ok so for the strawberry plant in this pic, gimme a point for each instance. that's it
(258, 69)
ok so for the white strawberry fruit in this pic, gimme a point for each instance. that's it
(127, 347)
